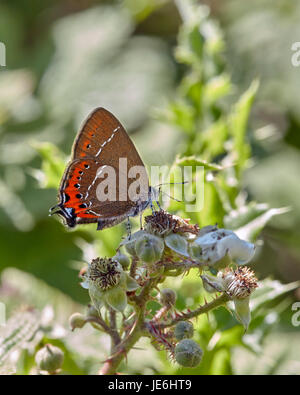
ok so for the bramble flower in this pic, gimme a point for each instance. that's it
(168, 238)
(238, 285)
(107, 283)
(162, 223)
(219, 247)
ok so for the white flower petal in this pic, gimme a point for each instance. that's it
(217, 244)
(239, 250)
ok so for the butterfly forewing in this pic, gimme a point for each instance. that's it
(102, 154)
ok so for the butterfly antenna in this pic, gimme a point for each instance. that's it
(171, 197)
(170, 183)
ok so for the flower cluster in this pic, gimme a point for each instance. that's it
(168, 238)
(168, 246)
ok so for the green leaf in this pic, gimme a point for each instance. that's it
(213, 210)
(268, 291)
(221, 363)
(19, 332)
(193, 161)
(237, 123)
(213, 139)
(252, 229)
(216, 88)
(53, 164)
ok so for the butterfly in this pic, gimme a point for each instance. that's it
(102, 144)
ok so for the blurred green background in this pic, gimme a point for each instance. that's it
(66, 57)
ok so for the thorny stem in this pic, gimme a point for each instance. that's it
(133, 266)
(112, 333)
(122, 349)
(221, 300)
(113, 328)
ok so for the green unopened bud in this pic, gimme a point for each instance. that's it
(130, 248)
(177, 243)
(188, 353)
(49, 358)
(149, 248)
(129, 243)
(123, 260)
(184, 330)
(77, 320)
(167, 297)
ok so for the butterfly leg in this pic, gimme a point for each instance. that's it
(100, 224)
(128, 228)
(158, 205)
(152, 207)
(141, 221)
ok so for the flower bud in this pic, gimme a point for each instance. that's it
(184, 330)
(188, 353)
(130, 248)
(149, 248)
(167, 297)
(177, 243)
(123, 260)
(49, 358)
(129, 243)
(77, 320)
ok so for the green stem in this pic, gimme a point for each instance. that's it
(221, 300)
(122, 349)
